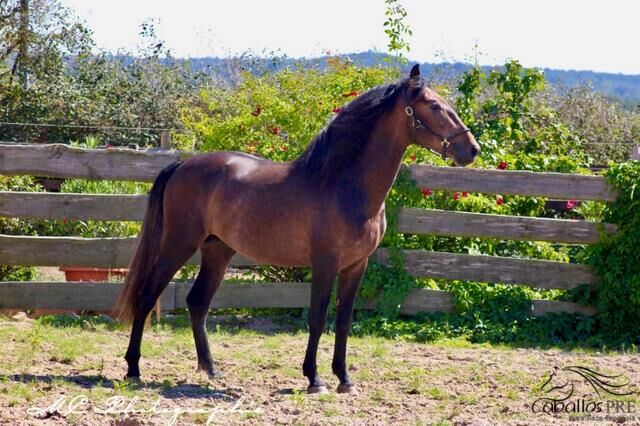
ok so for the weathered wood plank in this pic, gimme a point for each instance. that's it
(102, 297)
(116, 253)
(542, 307)
(253, 295)
(51, 205)
(44, 205)
(553, 185)
(427, 300)
(124, 164)
(463, 224)
(88, 296)
(73, 251)
(63, 161)
(493, 269)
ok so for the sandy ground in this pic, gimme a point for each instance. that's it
(446, 383)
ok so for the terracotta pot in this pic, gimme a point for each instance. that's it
(77, 273)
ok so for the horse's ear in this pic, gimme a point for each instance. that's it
(415, 71)
(390, 89)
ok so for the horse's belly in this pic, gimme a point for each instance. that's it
(271, 242)
(274, 254)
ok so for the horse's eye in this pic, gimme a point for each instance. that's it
(436, 107)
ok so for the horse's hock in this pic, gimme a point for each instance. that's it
(62, 161)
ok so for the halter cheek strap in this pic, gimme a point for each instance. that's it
(416, 124)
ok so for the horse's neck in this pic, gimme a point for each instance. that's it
(380, 163)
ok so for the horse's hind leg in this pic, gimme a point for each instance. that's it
(215, 258)
(173, 254)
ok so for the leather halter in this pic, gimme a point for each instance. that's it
(416, 124)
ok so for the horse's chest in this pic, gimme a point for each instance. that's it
(366, 238)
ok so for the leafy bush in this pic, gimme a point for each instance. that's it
(277, 115)
(617, 261)
(16, 226)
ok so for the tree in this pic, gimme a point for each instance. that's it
(38, 36)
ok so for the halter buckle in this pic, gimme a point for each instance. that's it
(445, 144)
(409, 111)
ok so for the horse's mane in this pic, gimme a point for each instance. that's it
(339, 143)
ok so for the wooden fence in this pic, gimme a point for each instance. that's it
(62, 161)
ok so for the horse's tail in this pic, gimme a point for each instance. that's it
(147, 249)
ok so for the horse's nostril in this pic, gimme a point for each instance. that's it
(474, 151)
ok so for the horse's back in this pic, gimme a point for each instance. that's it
(254, 205)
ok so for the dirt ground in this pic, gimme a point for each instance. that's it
(447, 383)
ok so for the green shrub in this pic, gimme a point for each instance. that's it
(16, 226)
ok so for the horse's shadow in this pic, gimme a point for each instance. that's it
(184, 390)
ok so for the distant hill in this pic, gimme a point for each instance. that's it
(625, 88)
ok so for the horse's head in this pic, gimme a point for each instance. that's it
(435, 125)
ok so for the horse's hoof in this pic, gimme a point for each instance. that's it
(215, 374)
(347, 388)
(212, 373)
(317, 389)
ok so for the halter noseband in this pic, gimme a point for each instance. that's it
(416, 124)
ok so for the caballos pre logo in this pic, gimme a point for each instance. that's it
(580, 390)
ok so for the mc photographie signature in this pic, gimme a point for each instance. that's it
(119, 405)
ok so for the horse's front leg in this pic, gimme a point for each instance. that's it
(347, 288)
(324, 271)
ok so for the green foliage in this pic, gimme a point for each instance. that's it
(396, 29)
(87, 92)
(277, 115)
(504, 106)
(17, 226)
(617, 261)
(605, 126)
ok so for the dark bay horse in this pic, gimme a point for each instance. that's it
(325, 210)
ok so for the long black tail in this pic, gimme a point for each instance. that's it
(147, 249)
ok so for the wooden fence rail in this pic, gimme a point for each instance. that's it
(124, 164)
(463, 224)
(102, 296)
(46, 205)
(116, 253)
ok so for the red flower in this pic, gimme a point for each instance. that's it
(337, 110)
(257, 111)
(426, 192)
(275, 130)
(502, 165)
(456, 196)
(571, 204)
(465, 194)
(109, 146)
(352, 93)
(64, 220)
(499, 200)
(412, 157)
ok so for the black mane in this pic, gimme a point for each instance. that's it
(338, 144)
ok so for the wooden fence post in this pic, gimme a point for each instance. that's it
(635, 152)
(165, 140)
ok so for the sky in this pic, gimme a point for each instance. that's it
(561, 34)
